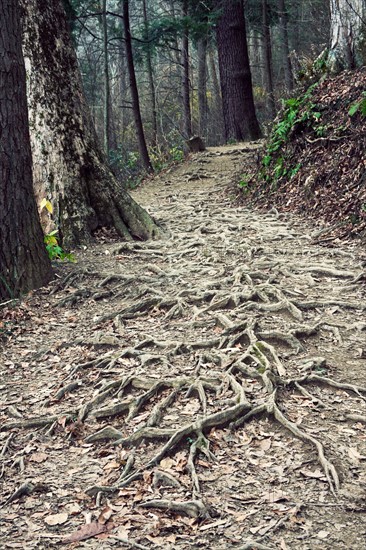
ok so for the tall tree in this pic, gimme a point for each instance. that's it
(134, 90)
(268, 71)
(107, 108)
(202, 84)
(348, 27)
(187, 117)
(24, 263)
(150, 74)
(283, 28)
(69, 167)
(240, 119)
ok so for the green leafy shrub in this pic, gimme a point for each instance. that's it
(298, 113)
(359, 106)
(55, 251)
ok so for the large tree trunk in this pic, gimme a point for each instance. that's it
(347, 46)
(240, 119)
(24, 263)
(69, 166)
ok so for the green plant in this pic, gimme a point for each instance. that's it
(55, 251)
(359, 106)
(244, 183)
(298, 113)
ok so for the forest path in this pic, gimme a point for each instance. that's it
(202, 391)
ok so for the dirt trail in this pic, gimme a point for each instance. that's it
(204, 391)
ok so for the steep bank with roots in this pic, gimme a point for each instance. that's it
(315, 159)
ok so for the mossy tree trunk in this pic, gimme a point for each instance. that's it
(69, 166)
(24, 263)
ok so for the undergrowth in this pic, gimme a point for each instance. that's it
(298, 114)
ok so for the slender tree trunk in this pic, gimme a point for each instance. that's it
(218, 128)
(187, 118)
(134, 90)
(69, 166)
(202, 85)
(150, 76)
(123, 86)
(24, 263)
(268, 71)
(283, 28)
(107, 92)
(240, 119)
(348, 28)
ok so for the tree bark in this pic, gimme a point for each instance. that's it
(348, 39)
(24, 263)
(150, 76)
(240, 119)
(202, 85)
(186, 96)
(268, 71)
(216, 132)
(134, 90)
(283, 27)
(107, 107)
(69, 166)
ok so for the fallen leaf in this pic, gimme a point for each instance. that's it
(323, 534)
(73, 508)
(265, 444)
(56, 519)
(354, 455)
(105, 515)
(85, 532)
(38, 457)
(213, 525)
(275, 496)
(316, 474)
(167, 464)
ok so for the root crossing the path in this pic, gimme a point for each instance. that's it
(206, 390)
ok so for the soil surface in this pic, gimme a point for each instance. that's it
(203, 391)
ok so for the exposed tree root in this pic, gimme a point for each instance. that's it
(209, 335)
(191, 508)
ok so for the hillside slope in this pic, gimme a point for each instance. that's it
(315, 162)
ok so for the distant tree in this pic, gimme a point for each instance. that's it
(24, 263)
(150, 74)
(134, 89)
(268, 69)
(285, 49)
(348, 28)
(240, 118)
(69, 166)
